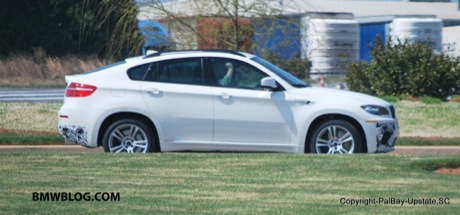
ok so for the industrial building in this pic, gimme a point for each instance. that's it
(329, 33)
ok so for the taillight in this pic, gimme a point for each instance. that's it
(79, 90)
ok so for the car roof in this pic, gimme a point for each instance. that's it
(154, 54)
(188, 53)
(184, 54)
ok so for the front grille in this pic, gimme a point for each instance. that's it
(393, 112)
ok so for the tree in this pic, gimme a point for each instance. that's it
(113, 23)
(104, 27)
(400, 68)
(195, 18)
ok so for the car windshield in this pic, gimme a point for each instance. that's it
(286, 76)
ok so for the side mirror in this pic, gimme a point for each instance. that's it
(268, 83)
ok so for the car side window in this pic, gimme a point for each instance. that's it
(180, 71)
(137, 73)
(236, 74)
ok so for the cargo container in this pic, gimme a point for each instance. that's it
(451, 41)
(413, 28)
(418, 30)
(370, 29)
(369, 33)
(331, 44)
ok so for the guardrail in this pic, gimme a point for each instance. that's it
(32, 95)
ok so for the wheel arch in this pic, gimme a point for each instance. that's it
(125, 115)
(323, 118)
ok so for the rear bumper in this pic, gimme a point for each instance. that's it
(77, 125)
(74, 134)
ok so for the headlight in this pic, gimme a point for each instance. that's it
(376, 110)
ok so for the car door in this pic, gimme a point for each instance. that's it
(243, 112)
(174, 92)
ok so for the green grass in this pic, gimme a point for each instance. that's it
(430, 100)
(428, 120)
(226, 183)
(30, 139)
(29, 116)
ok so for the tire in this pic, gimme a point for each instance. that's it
(131, 136)
(335, 137)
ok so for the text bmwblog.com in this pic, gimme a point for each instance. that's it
(77, 196)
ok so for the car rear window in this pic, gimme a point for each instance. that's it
(137, 73)
(105, 67)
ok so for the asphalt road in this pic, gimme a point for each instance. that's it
(32, 95)
(402, 150)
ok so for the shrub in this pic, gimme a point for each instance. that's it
(430, 100)
(391, 99)
(404, 69)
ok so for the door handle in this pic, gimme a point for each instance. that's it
(225, 96)
(303, 102)
(154, 91)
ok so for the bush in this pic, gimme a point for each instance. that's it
(403, 69)
(430, 100)
(391, 99)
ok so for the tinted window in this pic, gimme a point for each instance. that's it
(105, 67)
(237, 74)
(181, 71)
(137, 73)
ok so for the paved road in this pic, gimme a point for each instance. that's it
(32, 95)
(401, 150)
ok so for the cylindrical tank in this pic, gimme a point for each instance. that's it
(418, 30)
(332, 44)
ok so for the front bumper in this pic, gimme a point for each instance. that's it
(387, 134)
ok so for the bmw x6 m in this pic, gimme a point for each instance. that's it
(218, 101)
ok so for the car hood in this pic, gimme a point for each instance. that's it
(337, 96)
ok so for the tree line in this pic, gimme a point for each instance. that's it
(107, 28)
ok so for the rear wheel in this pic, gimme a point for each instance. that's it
(129, 135)
(335, 137)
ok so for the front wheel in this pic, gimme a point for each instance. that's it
(129, 135)
(335, 137)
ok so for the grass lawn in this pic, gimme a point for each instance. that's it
(229, 183)
(429, 120)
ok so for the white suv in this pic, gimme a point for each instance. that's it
(218, 101)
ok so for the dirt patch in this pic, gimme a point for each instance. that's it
(449, 171)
